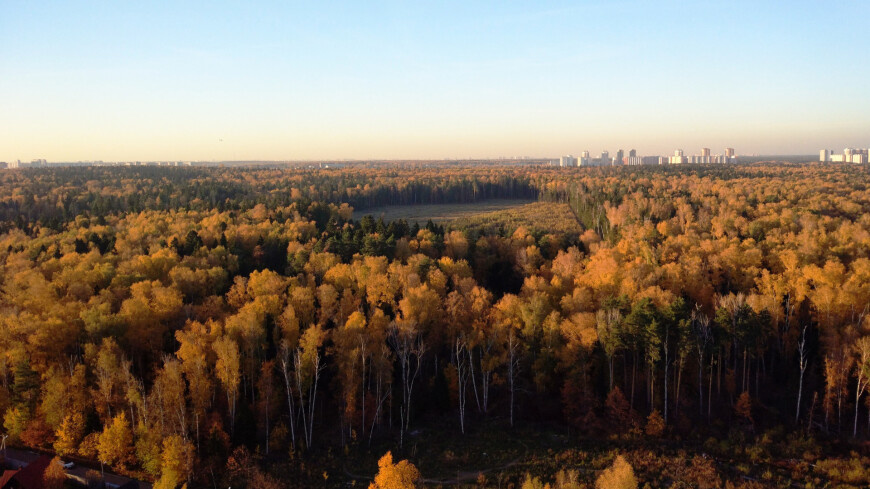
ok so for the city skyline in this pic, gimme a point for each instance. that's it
(585, 158)
(218, 81)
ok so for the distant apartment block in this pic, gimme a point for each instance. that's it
(849, 155)
(678, 158)
(568, 160)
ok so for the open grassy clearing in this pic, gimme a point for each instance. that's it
(501, 216)
(441, 213)
(546, 217)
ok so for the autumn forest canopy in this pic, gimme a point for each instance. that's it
(254, 326)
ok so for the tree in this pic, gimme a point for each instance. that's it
(655, 424)
(618, 411)
(55, 476)
(69, 434)
(409, 347)
(115, 445)
(308, 367)
(802, 364)
(608, 322)
(862, 372)
(227, 370)
(568, 479)
(62, 394)
(620, 475)
(381, 364)
(351, 353)
(169, 393)
(533, 483)
(507, 322)
(15, 421)
(459, 357)
(402, 475)
(194, 354)
(743, 408)
(177, 466)
(106, 361)
(25, 388)
(266, 389)
(703, 336)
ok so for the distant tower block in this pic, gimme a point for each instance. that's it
(729, 152)
(705, 151)
(632, 153)
(567, 161)
(825, 155)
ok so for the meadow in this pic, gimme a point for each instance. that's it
(442, 213)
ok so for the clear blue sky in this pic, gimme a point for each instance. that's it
(258, 80)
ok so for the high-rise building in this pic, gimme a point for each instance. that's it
(632, 153)
(605, 158)
(729, 152)
(705, 151)
(584, 159)
(850, 155)
(568, 160)
(619, 156)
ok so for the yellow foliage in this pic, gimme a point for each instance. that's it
(655, 424)
(620, 475)
(402, 475)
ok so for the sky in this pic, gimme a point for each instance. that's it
(220, 80)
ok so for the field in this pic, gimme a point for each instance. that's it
(488, 216)
(441, 213)
(549, 217)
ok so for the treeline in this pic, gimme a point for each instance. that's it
(53, 197)
(141, 339)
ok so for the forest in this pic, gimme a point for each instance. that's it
(701, 326)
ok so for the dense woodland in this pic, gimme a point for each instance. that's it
(164, 320)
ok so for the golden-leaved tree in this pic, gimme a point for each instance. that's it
(620, 475)
(402, 475)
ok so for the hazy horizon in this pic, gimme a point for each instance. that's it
(219, 81)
